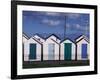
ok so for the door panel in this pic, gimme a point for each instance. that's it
(67, 51)
(32, 51)
(51, 51)
(84, 50)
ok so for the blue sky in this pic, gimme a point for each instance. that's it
(46, 23)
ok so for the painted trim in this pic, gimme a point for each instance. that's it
(39, 36)
(55, 41)
(24, 35)
(37, 41)
(67, 39)
(82, 37)
(53, 35)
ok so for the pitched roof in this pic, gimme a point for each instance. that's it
(82, 37)
(54, 41)
(53, 35)
(76, 40)
(37, 40)
(39, 36)
(66, 39)
(24, 35)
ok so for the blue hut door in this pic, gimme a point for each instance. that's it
(32, 49)
(67, 51)
(84, 50)
(51, 51)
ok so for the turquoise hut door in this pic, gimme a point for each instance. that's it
(51, 51)
(67, 51)
(84, 50)
(32, 54)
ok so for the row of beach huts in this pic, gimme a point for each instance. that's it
(37, 48)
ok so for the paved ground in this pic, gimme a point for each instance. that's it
(44, 64)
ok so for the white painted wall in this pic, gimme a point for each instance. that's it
(62, 49)
(45, 49)
(79, 49)
(24, 39)
(27, 52)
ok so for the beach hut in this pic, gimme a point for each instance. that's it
(67, 50)
(51, 48)
(82, 48)
(24, 40)
(33, 49)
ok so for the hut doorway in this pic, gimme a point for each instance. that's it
(67, 51)
(32, 54)
(51, 51)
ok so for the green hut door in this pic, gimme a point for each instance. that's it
(67, 51)
(32, 51)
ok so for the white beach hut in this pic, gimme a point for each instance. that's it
(51, 48)
(82, 48)
(33, 49)
(67, 50)
(24, 40)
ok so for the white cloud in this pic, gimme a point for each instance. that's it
(85, 28)
(52, 13)
(78, 26)
(70, 15)
(51, 22)
(67, 25)
(73, 15)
